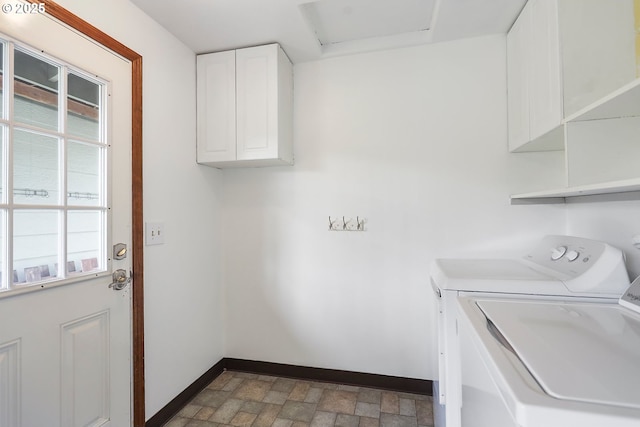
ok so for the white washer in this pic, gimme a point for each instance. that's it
(550, 363)
(560, 267)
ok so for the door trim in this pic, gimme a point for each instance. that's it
(66, 17)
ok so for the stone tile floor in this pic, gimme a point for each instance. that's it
(248, 400)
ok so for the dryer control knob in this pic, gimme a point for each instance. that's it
(573, 255)
(557, 253)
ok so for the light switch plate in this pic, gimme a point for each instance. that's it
(154, 233)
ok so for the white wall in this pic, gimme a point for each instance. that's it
(414, 140)
(183, 312)
(611, 220)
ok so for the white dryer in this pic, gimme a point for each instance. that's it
(558, 267)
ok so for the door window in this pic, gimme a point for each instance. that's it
(53, 171)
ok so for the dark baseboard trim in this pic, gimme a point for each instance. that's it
(180, 401)
(360, 379)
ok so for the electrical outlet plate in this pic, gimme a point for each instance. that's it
(154, 233)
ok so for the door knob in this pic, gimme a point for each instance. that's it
(120, 280)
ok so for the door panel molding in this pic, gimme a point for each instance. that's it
(66, 17)
(10, 383)
(85, 387)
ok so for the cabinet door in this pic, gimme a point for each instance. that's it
(257, 102)
(216, 107)
(545, 91)
(518, 63)
(598, 49)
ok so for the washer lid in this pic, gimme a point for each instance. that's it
(575, 351)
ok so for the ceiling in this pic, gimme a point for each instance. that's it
(314, 29)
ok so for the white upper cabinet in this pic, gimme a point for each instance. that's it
(534, 81)
(582, 85)
(245, 108)
(562, 56)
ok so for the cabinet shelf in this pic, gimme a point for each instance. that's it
(560, 195)
(624, 102)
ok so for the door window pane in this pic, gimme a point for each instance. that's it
(2, 166)
(53, 186)
(3, 280)
(1, 79)
(36, 91)
(84, 241)
(84, 166)
(35, 169)
(36, 239)
(83, 108)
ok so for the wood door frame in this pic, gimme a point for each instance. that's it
(66, 17)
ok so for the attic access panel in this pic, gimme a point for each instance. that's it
(338, 21)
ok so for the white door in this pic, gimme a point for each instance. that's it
(65, 335)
